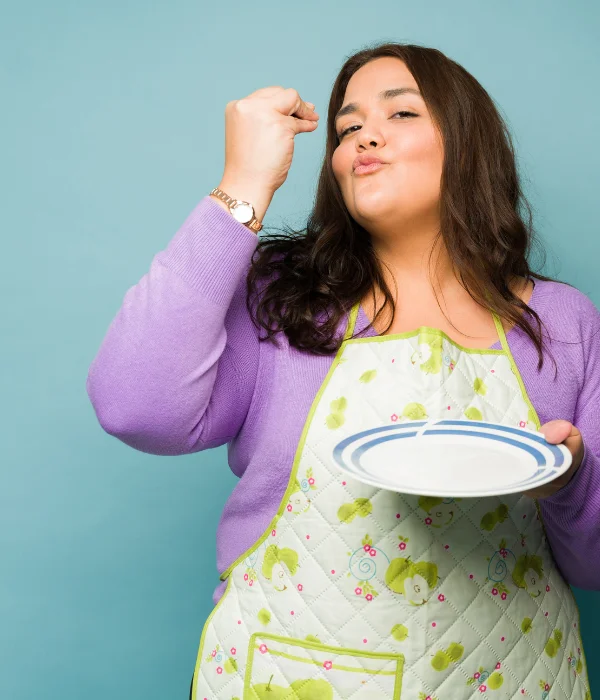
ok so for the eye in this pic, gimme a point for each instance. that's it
(349, 129)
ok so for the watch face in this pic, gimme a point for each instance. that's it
(242, 213)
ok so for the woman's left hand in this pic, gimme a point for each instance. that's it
(557, 431)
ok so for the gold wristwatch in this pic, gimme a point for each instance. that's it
(240, 210)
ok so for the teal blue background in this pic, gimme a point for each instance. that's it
(112, 130)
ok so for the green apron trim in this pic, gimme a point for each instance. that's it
(533, 413)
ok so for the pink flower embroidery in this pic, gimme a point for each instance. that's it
(369, 596)
(522, 423)
(494, 591)
(245, 577)
(394, 417)
(428, 521)
(482, 688)
(358, 590)
(327, 665)
(547, 687)
(441, 597)
(476, 676)
(311, 481)
(300, 586)
(547, 589)
(219, 670)
(373, 552)
(214, 652)
(503, 596)
(250, 583)
(402, 545)
(233, 651)
(497, 666)
(289, 507)
(367, 548)
(263, 649)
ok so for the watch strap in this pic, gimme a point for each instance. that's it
(254, 224)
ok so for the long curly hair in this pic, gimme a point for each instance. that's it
(305, 281)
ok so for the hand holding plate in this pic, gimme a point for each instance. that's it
(555, 432)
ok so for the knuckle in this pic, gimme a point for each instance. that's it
(241, 105)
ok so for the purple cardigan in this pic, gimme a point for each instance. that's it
(181, 370)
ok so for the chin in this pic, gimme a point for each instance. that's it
(373, 206)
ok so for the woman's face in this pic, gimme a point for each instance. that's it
(406, 190)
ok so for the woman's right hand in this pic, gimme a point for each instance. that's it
(259, 136)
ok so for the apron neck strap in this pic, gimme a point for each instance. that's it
(352, 321)
(499, 328)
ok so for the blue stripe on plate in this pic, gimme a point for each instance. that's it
(559, 457)
(366, 446)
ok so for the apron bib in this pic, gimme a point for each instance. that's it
(356, 592)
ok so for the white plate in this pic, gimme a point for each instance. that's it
(451, 458)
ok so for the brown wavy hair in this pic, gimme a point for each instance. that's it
(309, 279)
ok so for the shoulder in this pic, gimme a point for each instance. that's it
(565, 310)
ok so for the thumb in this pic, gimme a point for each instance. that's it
(557, 431)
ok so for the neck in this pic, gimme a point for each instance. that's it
(416, 263)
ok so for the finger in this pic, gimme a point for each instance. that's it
(290, 103)
(299, 126)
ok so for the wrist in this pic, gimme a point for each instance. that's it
(259, 197)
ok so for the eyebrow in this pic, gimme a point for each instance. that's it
(352, 107)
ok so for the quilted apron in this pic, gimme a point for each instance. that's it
(356, 592)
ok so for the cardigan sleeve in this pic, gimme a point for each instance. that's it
(572, 514)
(177, 368)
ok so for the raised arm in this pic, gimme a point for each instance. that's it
(177, 368)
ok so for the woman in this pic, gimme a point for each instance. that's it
(332, 589)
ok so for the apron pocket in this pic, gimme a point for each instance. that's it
(281, 668)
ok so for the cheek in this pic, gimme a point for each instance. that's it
(423, 151)
(340, 163)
